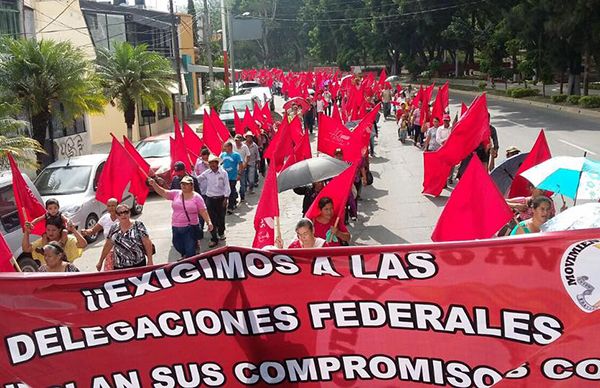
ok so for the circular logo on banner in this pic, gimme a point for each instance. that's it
(580, 274)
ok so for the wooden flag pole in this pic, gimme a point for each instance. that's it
(13, 261)
(278, 226)
(337, 220)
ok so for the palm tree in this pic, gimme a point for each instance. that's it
(48, 78)
(132, 75)
(23, 148)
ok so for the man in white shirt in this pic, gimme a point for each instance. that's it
(244, 152)
(214, 182)
(443, 133)
(431, 143)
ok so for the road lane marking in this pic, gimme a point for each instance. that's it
(576, 146)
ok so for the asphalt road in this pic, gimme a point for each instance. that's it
(393, 210)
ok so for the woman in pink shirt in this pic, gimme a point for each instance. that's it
(187, 205)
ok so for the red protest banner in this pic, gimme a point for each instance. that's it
(519, 312)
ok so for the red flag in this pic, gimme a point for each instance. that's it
(117, 173)
(438, 108)
(178, 150)
(219, 127)
(266, 112)
(418, 97)
(192, 142)
(29, 208)
(238, 124)
(249, 124)
(382, 77)
(212, 133)
(138, 187)
(466, 216)
(301, 152)
(337, 189)
(283, 147)
(333, 135)
(463, 108)
(266, 211)
(539, 153)
(426, 95)
(6, 256)
(468, 133)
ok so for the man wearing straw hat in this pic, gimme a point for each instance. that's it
(214, 183)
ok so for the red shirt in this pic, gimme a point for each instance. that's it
(321, 230)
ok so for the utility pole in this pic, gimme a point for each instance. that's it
(207, 34)
(224, 37)
(180, 108)
(231, 56)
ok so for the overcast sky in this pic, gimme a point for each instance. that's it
(163, 5)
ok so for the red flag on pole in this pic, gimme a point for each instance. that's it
(6, 256)
(238, 124)
(266, 211)
(382, 77)
(466, 216)
(138, 187)
(192, 141)
(539, 153)
(418, 97)
(333, 134)
(463, 108)
(249, 123)
(211, 136)
(437, 111)
(179, 153)
(468, 133)
(301, 152)
(337, 189)
(29, 208)
(116, 174)
(219, 127)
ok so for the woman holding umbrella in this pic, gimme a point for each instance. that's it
(333, 230)
(541, 207)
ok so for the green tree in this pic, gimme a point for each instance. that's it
(133, 75)
(191, 10)
(23, 148)
(47, 79)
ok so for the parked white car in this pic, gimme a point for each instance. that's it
(239, 104)
(265, 96)
(10, 226)
(73, 182)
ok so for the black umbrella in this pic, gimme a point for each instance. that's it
(506, 171)
(310, 170)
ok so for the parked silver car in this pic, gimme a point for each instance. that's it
(73, 182)
(10, 227)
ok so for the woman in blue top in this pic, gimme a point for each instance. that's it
(541, 206)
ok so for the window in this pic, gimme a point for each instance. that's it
(61, 129)
(106, 29)
(146, 115)
(97, 176)
(8, 210)
(9, 18)
(162, 111)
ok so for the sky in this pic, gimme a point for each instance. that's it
(163, 5)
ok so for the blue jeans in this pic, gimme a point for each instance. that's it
(185, 240)
(243, 184)
(250, 176)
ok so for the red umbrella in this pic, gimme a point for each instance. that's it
(301, 102)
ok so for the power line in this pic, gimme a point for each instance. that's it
(57, 16)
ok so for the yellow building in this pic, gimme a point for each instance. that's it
(90, 25)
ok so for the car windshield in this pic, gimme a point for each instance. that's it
(63, 180)
(238, 105)
(153, 148)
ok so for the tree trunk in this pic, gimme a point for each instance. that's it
(586, 71)
(39, 125)
(573, 85)
(129, 114)
(562, 81)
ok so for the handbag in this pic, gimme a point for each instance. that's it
(195, 228)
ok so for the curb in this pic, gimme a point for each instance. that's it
(558, 108)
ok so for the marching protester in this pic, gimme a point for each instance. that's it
(333, 230)
(103, 225)
(73, 247)
(251, 172)
(242, 149)
(56, 259)
(202, 162)
(540, 207)
(233, 164)
(187, 205)
(522, 205)
(178, 174)
(310, 193)
(305, 237)
(53, 215)
(512, 151)
(215, 185)
(431, 143)
(309, 116)
(443, 133)
(129, 241)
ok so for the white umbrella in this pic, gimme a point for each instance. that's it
(578, 217)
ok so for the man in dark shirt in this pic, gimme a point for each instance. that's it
(178, 174)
